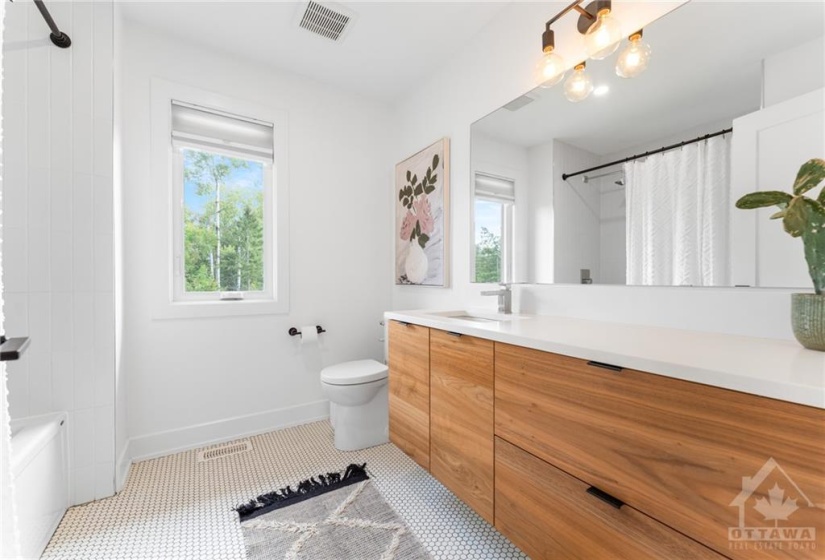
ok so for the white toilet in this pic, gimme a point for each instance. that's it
(358, 405)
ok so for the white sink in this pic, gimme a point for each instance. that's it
(475, 316)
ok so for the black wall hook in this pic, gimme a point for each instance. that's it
(293, 331)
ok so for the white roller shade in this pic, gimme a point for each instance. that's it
(498, 188)
(206, 128)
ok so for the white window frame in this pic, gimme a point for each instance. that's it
(170, 300)
(507, 231)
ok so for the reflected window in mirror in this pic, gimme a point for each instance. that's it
(493, 209)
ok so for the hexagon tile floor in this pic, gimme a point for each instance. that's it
(177, 508)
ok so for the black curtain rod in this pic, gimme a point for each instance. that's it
(566, 176)
(58, 37)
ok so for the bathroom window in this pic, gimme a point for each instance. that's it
(223, 216)
(220, 224)
(494, 202)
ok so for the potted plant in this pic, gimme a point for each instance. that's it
(802, 217)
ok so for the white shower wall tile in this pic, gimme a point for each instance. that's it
(104, 264)
(84, 379)
(15, 261)
(61, 262)
(63, 380)
(61, 203)
(62, 333)
(15, 194)
(84, 484)
(40, 383)
(104, 420)
(83, 260)
(84, 438)
(37, 257)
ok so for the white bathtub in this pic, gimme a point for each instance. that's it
(39, 468)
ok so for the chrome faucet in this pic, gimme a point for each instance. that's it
(505, 298)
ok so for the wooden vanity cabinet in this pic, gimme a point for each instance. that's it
(409, 389)
(675, 450)
(461, 417)
(550, 515)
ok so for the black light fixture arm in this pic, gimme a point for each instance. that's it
(59, 38)
(566, 176)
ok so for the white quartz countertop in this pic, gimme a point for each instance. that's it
(771, 368)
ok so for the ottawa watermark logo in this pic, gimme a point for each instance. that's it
(780, 499)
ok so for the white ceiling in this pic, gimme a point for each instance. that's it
(391, 47)
(706, 68)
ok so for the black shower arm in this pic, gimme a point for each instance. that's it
(58, 37)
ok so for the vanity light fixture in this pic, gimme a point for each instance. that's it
(578, 86)
(551, 66)
(602, 37)
(635, 57)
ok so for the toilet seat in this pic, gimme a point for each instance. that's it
(354, 373)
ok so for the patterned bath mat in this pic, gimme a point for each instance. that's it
(340, 516)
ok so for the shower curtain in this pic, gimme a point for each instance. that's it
(9, 538)
(677, 216)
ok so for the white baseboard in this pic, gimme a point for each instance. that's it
(160, 444)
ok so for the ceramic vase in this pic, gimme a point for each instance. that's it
(416, 264)
(808, 317)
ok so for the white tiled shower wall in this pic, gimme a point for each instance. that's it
(58, 230)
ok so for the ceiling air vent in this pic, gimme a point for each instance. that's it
(519, 102)
(232, 448)
(327, 20)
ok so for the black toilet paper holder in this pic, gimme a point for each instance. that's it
(293, 331)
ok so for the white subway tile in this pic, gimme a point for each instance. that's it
(104, 263)
(63, 380)
(84, 485)
(82, 142)
(103, 204)
(60, 116)
(61, 191)
(104, 480)
(15, 192)
(61, 261)
(37, 105)
(82, 59)
(16, 310)
(62, 322)
(102, 59)
(40, 380)
(105, 375)
(83, 202)
(84, 313)
(14, 126)
(40, 322)
(103, 153)
(84, 437)
(83, 260)
(37, 257)
(84, 378)
(104, 335)
(15, 260)
(39, 201)
(17, 374)
(105, 434)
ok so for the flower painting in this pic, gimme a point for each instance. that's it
(421, 201)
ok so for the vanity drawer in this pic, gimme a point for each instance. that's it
(461, 417)
(409, 389)
(678, 451)
(549, 514)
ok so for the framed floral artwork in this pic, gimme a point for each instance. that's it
(421, 213)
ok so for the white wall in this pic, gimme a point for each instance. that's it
(576, 216)
(465, 90)
(794, 72)
(192, 381)
(57, 231)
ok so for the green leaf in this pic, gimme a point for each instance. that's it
(414, 180)
(761, 199)
(408, 174)
(435, 161)
(400, 194)
(803, 215)
(418, 190)
(428, 190)
(810, 175)
(780, 214)
(821, 198)
(422, 239)
(434, 179)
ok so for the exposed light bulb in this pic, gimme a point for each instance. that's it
(601, 90)
(603, 37)
(633, 60)
(549, 70)
(579, 85)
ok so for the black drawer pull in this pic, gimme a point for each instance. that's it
(455, 334)
(605, 497)
(402, 323)
(603, 365)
